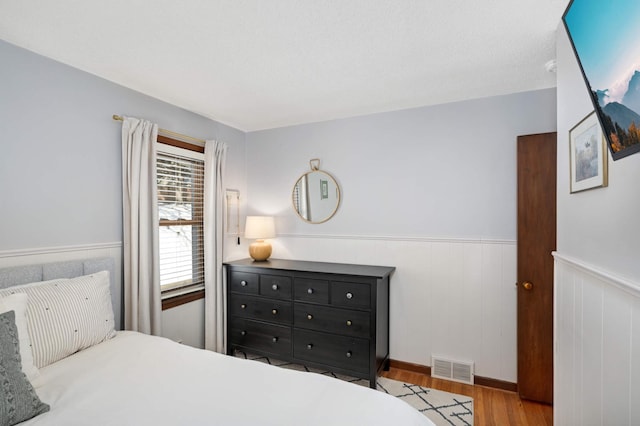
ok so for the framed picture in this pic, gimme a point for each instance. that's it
(587, 155)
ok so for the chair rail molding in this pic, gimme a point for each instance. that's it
(600, 274)
(405, 238)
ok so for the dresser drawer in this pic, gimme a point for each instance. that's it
(275, 286)
(333, 320)
(352, 295)
(350, 353)
(271, 338)
(278, 311)
(244, 282)
(311, 290)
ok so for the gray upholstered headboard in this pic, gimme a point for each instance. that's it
(16, 275)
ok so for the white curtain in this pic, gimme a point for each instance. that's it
(142, 300)
(214, 302)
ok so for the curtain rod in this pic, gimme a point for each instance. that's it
(168, 132)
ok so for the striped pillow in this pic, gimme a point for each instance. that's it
(65, 316)
(18, 304)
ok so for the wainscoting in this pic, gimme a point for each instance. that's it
(60, 254)
(597, 346)
(185, 323)
(449, 297)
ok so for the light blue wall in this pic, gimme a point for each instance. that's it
(445, 170)
(60, 159)
(600, 226)
(440, 171)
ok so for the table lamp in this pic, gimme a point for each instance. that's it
(260, 228)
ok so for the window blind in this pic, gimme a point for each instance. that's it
(180, 208)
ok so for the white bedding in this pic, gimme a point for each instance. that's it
(135, 379)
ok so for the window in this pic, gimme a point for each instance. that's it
(180, 211)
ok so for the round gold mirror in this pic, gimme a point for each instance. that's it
(316, 195)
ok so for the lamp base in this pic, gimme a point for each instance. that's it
(260, 250)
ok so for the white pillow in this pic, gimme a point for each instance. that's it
(67, 315)
(18, 304)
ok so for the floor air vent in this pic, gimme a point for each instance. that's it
(443, 368)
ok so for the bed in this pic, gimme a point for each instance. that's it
(103, 377)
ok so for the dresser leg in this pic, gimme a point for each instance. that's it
(386, 364)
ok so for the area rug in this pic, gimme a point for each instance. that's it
(442, 408)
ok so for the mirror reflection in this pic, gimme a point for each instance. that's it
(316, 196)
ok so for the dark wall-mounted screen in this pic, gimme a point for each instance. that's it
(605, 35)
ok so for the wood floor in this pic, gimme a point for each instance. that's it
(491, 406)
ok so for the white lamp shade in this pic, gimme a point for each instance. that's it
(260, 227)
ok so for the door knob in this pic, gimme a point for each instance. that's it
(527, 285)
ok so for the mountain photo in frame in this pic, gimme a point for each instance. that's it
(587, 155)
(605, 35)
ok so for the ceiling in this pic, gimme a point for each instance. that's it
(257, 64)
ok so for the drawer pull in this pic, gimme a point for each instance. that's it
(310, 346)
(349, 295)
(349, 353)
(274, 340)
(310, 291)
(349, 323)
(274, 287)
(243, 306)
(309, 316)
(274, 311)
(243, 283)
(243, 333)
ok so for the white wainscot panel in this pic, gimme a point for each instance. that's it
(185, 324)
(452, 298)
(597, 333)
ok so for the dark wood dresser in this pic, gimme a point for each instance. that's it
(326, 315)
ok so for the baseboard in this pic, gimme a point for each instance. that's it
(478, 380)
(409, 366)
(495, 383)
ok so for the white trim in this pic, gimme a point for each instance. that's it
(400, 238)
(600, 274)
(163, 148)
(61, 249)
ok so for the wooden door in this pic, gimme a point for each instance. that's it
(536, 241)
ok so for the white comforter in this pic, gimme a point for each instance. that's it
(135, 379)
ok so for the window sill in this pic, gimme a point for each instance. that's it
(170, 300)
